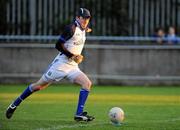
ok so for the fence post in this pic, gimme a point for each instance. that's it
(32, 11)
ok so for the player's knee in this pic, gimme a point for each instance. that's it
(38, 85)
(35, 87)
(88, 85)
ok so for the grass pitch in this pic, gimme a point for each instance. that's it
(146, 108)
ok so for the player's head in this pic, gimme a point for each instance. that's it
(83, 12)
(83, 17)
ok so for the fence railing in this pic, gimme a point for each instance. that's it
(110, 39)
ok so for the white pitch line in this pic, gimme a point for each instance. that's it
(169, 120)
(58, 127)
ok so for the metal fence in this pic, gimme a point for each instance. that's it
(146, 15)
(110, 17)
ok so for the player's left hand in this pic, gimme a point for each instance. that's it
(88, 30)
(77, 58)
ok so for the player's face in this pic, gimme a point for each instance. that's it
(84, 22)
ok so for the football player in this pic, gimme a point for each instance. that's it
(65, 65)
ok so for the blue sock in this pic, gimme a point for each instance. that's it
(82, 99)
(24, 95)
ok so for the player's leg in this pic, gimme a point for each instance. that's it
(27, 92)
(39, 85)
(50, 76)
(82, 80)
(85, 84)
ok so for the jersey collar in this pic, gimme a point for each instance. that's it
(79, 25)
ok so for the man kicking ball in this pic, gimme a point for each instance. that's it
(65, 65)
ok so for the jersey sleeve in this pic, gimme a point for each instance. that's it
(66, 35)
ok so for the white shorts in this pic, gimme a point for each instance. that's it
(67, 71)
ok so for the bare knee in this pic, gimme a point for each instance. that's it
(87, 85)
(84, 81)
(35, 87)
(38, 86)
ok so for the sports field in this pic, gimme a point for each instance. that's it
(146, 108)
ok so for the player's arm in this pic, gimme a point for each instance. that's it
(67, 34)
(60, 47)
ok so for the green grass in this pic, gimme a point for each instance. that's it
(146, 108)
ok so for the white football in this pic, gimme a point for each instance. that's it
(116, 115)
